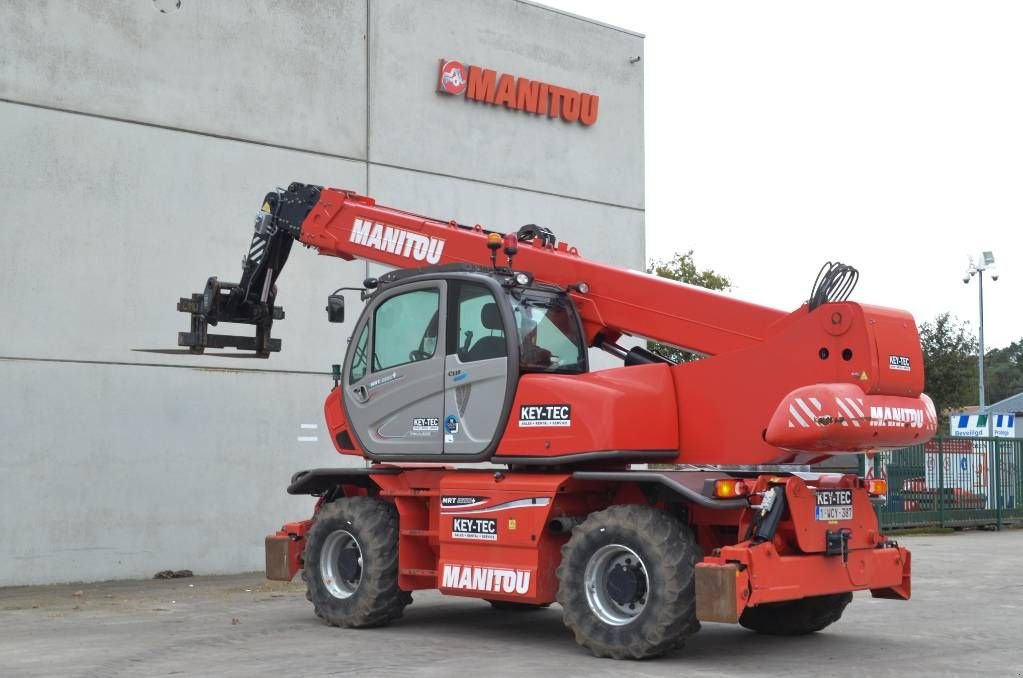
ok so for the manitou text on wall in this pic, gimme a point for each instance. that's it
(520, 94)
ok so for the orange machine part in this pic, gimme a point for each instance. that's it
(619, 409)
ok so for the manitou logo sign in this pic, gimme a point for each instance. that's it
(492, 579)
(396, 241)
(897, 416)
(520, 94)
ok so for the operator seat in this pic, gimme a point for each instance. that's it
(493, 346)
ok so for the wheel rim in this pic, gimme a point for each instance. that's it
(341, 564)
(616, 584)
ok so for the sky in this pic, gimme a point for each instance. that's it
(886, 135)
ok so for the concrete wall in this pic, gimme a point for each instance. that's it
(137, 147)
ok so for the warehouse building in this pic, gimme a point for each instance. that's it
(138, 140)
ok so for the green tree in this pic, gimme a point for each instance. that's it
(682, 267)
(950, 362)
(1003, 372)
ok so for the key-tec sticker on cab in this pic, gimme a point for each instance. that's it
(425, 424)
(898, 362)
(482, 529)
(545, 415)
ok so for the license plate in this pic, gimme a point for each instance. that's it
(833, 505)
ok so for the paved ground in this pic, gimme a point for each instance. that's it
(966, 618)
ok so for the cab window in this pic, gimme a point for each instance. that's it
(549, 334)
(405, 329)
(477, 331)
(358, 368)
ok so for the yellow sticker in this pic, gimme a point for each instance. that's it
(266, 207)
(863, 376)
(512, 524)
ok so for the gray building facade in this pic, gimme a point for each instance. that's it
(136, 147)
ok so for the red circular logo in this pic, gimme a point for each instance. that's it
(453, 77)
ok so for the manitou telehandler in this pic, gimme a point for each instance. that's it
(475, 353)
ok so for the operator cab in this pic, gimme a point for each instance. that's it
(436, 355)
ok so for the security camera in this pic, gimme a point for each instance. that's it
(994, 275)
(966, 279)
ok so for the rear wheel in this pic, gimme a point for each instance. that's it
(626, 582)
(796, 617)
(351, 563)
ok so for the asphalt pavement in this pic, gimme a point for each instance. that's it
(965, 619)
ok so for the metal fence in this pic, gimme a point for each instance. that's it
(952, 482)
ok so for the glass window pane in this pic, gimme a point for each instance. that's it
(358, 369)
(480, 329)
(548, 333)
(405, 329)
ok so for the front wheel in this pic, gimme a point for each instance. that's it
(626, 582)
(350, 563)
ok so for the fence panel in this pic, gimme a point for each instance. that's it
(952, 482)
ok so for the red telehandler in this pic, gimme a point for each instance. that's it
(474, 353)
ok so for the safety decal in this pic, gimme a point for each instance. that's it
(480, 529)
(898, 362)
(545, 415)
(451, 424)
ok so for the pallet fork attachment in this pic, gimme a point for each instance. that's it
(251, 300)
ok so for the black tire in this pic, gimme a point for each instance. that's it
(667, 607)
(796, 617)
(373, 598)
(509, 606)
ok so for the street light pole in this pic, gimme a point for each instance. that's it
(987, 261)
(980, 334)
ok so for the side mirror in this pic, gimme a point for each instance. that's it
(336, 308)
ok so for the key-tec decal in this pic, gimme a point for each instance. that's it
(545, 415)
(481, 529)
(898, 362)
(425, 424)
(834, 498)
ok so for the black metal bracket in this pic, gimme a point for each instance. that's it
(531, 232)
(836, 543)
(251, 300)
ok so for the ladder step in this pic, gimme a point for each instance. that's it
(412, 492)
(414, 532)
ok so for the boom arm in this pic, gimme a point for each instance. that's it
(831, 377)
(346, 225)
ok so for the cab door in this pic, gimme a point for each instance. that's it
(394, 372)
(478, 369)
